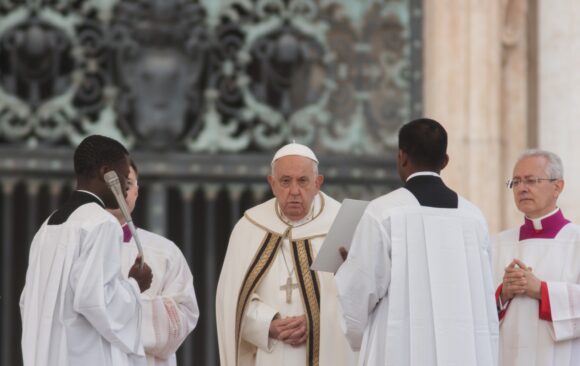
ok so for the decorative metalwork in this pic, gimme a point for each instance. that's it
(159, 69)
(242, 75)
(52, 75)
(214, 84)
(182, 200)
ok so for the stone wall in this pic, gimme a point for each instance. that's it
(502, 76)
(476, 71)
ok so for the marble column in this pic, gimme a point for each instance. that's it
(518, 93)
(559, 93)
(475, 56)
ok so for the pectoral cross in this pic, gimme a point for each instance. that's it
(288, 287)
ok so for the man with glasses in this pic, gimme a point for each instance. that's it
(537, 268)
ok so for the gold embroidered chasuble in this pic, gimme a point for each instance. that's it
(255, 244)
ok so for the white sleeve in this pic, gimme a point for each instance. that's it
(363, 278)
(102, 294)
(565, 309)
(489, 287)
(170, 317)
(256, 324)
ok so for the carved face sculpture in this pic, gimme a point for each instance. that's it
(158, 58)
(158, 79)
(286, 70)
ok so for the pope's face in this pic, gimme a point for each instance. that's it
(535, 199)
(295, 183)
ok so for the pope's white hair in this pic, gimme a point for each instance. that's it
(314, 165)
(554, 168)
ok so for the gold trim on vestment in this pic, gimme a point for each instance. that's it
(289, 227)
(310, 295)
(286, 232)
(259, 266)
(308, 282)
(266, 229)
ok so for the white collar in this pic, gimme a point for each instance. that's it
(416, 174)
(267, 217)
(92, 194)
(538, 221)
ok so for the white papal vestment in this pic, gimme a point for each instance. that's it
(417, 288)
(249, 294)
(170, 310)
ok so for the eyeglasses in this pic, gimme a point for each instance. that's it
(529, 181)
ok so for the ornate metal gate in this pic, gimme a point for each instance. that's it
(202, 93)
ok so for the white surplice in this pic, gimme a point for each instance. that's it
(256, 348)
(170, 310)
(525, 339)
(417, 288)
(77, 307)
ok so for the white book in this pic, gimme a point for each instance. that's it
(340, 235)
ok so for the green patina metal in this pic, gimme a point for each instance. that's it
(236, 76)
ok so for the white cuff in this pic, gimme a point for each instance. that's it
(256, 327)
(502, 306)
